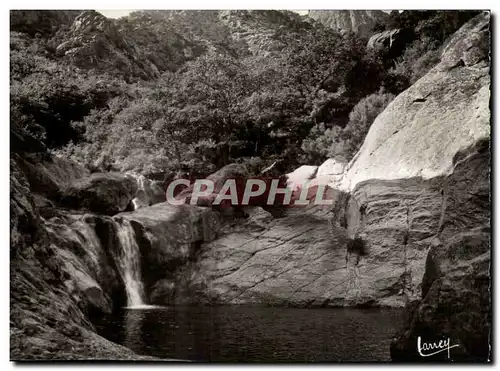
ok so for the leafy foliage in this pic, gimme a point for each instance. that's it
(431, 29)
(362, 117)
(312, 95)
(343, 143)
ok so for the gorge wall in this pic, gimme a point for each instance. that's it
(431, 154)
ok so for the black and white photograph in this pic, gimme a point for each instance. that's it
(259, 186)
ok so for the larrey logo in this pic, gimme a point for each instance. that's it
(430, 349)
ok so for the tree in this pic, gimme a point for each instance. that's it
(331, 72)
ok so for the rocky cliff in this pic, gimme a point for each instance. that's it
(456, 296)
(358, 21)
(421, 180)
(93, 41)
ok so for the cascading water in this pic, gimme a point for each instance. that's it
(129, 264)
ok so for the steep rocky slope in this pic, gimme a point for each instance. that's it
(234, 32)
(93, 41)
(147, 43)
(262, 32)
(162, 41)
(358, 21)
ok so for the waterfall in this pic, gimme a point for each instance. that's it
(129, 264)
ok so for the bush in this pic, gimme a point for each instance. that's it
(323, 143)
(362, 116)
(357, 246)
(417, 59)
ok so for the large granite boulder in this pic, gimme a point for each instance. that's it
(105, 193)
(48, 175)
(405, 140)
(391, 43)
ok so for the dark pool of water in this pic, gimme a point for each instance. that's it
(255, 334)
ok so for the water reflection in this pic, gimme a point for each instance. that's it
(255, 334)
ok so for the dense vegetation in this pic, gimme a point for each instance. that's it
(313, 94)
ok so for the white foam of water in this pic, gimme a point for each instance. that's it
(129, 265)
(144, 306)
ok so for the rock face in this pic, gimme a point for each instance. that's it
(93, 41)
(420, 185)
(456, 301)
(397, 219)
(106, 193)
(358, 21)
(305, 257)
(397, 176)
(286, 261)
